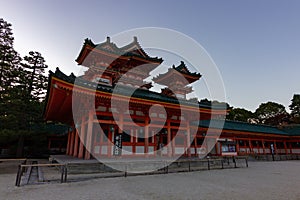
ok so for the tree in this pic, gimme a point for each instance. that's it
(36, 83)
(215, 103)
(240, 114)
(9, 59)
(295, 109)
(268, 111)
(11, 87)
(22, 89)
(295, 105)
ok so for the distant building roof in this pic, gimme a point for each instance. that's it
(242, 126)
(293, 130)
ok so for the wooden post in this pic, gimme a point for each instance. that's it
(82, 138)
(62, 171)
(19, 175)
(66, 172)
(208, 164)
(89, 136)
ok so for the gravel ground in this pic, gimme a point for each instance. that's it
(262, 180)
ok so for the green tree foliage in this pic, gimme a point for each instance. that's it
(240, 114)
(295, 108)
(9, 59)
(268, 111)
(215, 103)
(36, 81)
(22, 90)
(295, 105)
(11, 87)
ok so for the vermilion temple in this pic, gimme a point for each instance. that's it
(112, 111)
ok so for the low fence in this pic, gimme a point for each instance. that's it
(22, 160)
(133, 168)
(24, 167)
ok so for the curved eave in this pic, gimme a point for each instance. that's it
(164, 78)
(93, 91)
(87, 49)
(59, 104)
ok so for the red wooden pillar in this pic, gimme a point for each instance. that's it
(285, 147)
(290, 146)
(250, 146)
(237, 146)
(72, 142)
(196, 144)
(169, 138)
(188, 139)
(275, 147)
(89, 136)
(82, 138)
(69, 143)
(218, 148)
(49, 143)
(146, 136)
(263, 146)
(75, 153)
(173, 142)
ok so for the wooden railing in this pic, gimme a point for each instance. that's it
(23, 167)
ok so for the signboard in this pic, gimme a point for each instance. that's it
(118, 145)
(228, 147)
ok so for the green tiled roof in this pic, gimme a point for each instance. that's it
(57, 129)
(126, 91)
(241, 126)
(293, 130)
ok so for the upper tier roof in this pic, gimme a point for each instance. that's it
(132, 50)
(180, 70)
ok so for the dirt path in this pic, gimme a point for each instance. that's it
(262, 180)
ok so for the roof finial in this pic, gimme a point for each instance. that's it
(107, 39)
(134, 38)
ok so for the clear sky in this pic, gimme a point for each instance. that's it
(255, 44)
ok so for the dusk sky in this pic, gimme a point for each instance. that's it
(255, 44)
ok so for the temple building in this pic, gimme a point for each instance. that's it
(112, 111)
